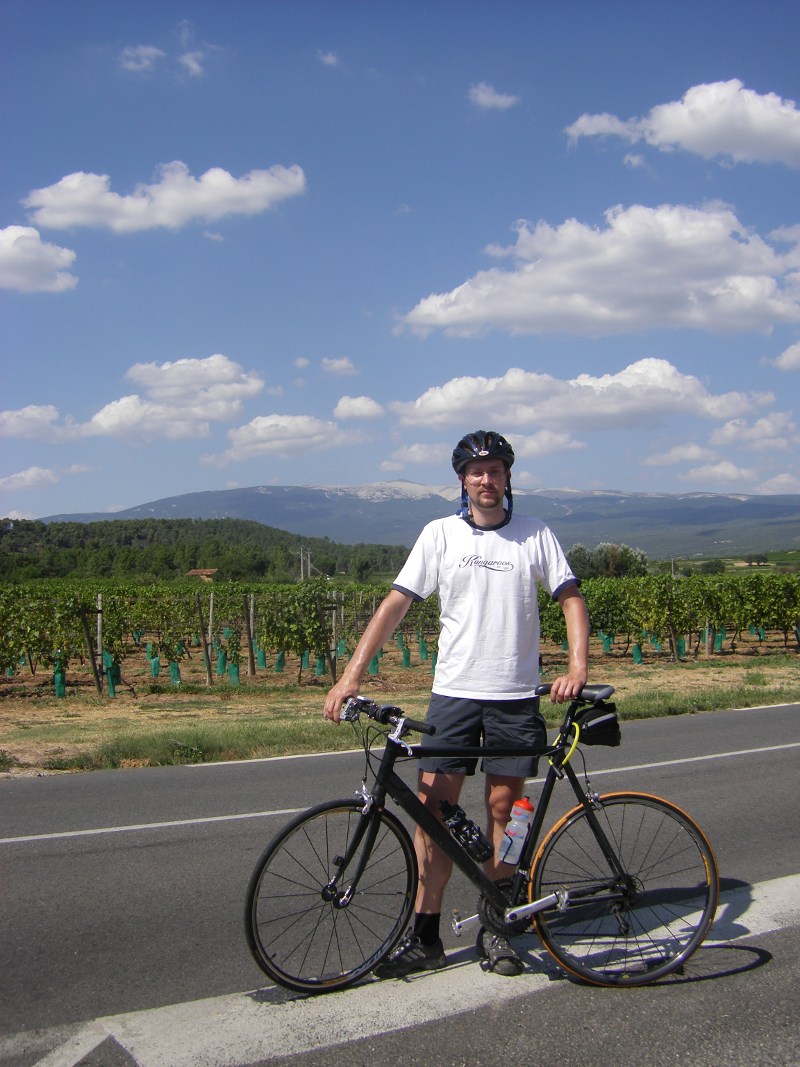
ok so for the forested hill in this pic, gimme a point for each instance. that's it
(664, 526)
(170, 548)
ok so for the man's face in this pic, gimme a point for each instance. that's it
(485, 480)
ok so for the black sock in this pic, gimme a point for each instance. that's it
(426, 927)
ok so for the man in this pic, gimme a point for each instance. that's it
(485, 566)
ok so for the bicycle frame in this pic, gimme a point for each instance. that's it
(388, 782)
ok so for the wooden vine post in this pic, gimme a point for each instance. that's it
(87, 636)
(204, 638)
(248, 630)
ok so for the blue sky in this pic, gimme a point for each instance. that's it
(313, 243)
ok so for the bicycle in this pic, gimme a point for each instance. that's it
(621, 890)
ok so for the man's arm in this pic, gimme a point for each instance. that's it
(576, 617)
(380, 628)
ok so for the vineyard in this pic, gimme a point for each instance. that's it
(50, 627)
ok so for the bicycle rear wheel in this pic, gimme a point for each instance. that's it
(632, 928)
(302, 928)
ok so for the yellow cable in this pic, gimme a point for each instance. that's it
(572, 748)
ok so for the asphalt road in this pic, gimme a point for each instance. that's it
(122, 893)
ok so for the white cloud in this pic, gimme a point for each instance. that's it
(781, 483)
(544, 443)
(30, 265)
(36, 422)
(328, 59)
(671, 266)
(341, 367)
(485, 96)
(140, 58)
(192, 63)
(134, 418)
(301, 363)
(773, 433)
(194, 378)
(32, 478)
(182, 399)
(416, 454)
(638, 395)
(720, 119)
(174, 200)
(722, 473)
(357, 407)
(679, 454)
(281, 436)
(789, 359)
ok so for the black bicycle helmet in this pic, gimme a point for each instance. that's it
(482, 444)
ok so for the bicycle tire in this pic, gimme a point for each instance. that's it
(301, 937)
(654, 916)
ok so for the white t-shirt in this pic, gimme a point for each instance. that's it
(487, 581)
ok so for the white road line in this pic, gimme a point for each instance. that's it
(147, 826)
(26, 838)
(688, 759)
(270, 1023)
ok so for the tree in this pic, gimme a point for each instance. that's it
(580, 560)
(607, 561)
(712, 566)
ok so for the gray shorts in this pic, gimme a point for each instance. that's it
(461, 722)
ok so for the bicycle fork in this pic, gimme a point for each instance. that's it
(366, 833)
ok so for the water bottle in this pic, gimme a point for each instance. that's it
(464, 830)
(516, 831)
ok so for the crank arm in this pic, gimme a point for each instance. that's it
(559, 899)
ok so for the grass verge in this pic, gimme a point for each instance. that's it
(261, 736)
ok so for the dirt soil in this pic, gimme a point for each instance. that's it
(35, 726)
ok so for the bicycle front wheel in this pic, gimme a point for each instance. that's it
(305, 928)
(637, 923)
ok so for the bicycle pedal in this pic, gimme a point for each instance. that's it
(459, 923)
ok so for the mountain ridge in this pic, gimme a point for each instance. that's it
(663, 525)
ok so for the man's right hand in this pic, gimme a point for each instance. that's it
(337, 696)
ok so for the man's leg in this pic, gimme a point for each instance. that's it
(435, 867)
(422, 948)
(501, 793)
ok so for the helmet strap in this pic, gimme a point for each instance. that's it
(463, 510)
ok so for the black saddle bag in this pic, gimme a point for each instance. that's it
(599, 725)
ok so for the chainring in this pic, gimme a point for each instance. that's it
(494, 920)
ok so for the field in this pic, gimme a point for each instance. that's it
(153, 722)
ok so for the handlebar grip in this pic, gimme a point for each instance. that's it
(390, 713)
(420, 727)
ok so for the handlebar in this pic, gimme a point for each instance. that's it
(382, 713)
(390, 714)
